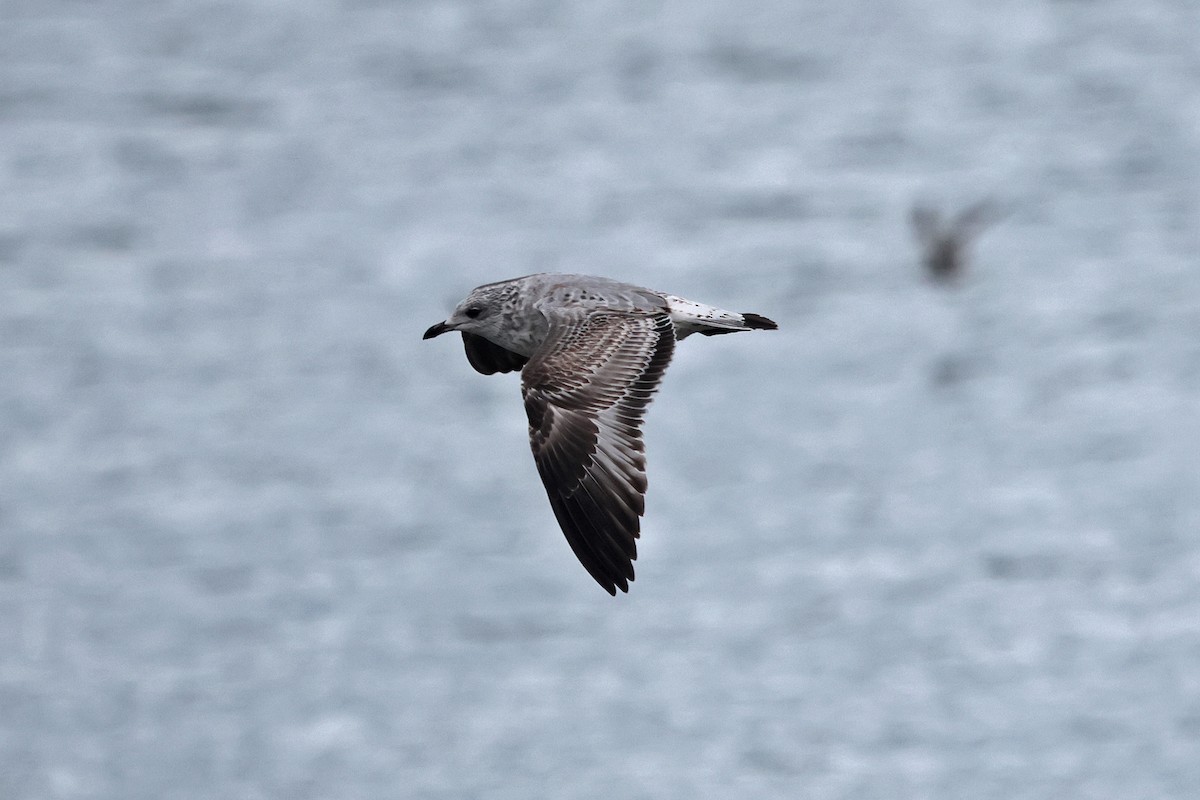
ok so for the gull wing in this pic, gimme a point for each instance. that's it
(586, 391)
(488, 357)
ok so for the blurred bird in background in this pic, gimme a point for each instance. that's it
(945, 243)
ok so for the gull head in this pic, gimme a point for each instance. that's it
(486, 312)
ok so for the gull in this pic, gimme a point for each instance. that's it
(944, 243)
(592, 353)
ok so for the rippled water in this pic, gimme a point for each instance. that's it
(258, 540)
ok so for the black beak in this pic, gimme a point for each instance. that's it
(437, 330)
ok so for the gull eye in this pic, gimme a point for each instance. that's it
(473, 312)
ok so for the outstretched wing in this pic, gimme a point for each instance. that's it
(586, 391)
(927, 226)
(973, 219)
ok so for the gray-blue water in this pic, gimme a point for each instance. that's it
(258, 540)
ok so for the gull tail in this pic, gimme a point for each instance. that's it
(750, 322)
(758, 322)
(691, 317)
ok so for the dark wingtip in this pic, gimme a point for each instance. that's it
(759, 322)
(617, 583)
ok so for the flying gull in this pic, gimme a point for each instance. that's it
(592, 352)
(944, 243)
